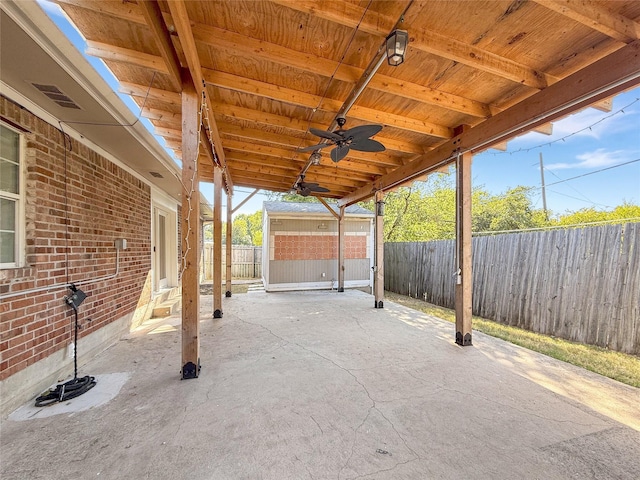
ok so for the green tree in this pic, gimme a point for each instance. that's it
(511, 210)
(621, 213)
(247, 229)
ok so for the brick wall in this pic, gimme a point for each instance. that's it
(317, 247)
(73, 216)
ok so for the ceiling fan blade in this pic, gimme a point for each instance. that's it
(339, 152)
(313, 147)
(367, 145)
(325, 134)
(362, 131)
(307, 185)
(319, 189)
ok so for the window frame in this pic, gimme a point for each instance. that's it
(19, 240)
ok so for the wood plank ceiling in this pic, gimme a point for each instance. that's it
(272, 69)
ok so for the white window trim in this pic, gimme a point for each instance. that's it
(20, 214)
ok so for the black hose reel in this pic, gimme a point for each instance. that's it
(76, 386)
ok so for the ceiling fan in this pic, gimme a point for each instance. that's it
(344, 140)
(306, 188)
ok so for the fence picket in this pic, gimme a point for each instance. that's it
(579, 284)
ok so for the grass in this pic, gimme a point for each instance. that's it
(619, 366)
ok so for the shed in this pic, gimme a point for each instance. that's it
(300, 246)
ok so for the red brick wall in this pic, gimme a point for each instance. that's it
(102, 203)
(318, 247)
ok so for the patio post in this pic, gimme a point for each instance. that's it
(228, 244)
(190, 218)
(378, 277)
(217, 242)
(341, 250)
(464, 280)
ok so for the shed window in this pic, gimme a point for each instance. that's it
(10, 197)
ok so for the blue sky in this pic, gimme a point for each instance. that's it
(582, 145)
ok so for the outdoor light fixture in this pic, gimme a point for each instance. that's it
(315, 158)
(396, 47)
(380, 208)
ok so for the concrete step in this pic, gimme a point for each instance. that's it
(167, 308)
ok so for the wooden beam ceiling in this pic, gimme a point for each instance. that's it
(265, 84)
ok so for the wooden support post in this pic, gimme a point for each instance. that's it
(378, 278)
(464, 279)
(341, 250)
(190, 231)
(228, 244)
(217, 242)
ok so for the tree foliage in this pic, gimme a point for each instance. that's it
(426, 211)
(247, 229)
(621, 213)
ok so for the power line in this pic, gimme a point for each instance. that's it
(595, 171)
(580, 199)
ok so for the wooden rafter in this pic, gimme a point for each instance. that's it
(602, 79)
(153, 16)
(183, 27)
(126, 55)
(430, 42)
(597, 17)
(308, 100)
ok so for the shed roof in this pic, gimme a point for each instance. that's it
(313, 209)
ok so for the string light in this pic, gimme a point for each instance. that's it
(563, 139)
(190, 191)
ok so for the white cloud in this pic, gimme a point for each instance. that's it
(597, 159)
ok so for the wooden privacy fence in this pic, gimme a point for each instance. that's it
(246, 261)
(578, 284)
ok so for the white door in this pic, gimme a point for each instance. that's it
(160, 248)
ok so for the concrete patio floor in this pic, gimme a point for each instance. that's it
(320, 385)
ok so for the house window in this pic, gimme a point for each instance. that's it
(10, 197)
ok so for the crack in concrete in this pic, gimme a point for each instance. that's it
(316, 422)
(372, 407)
(364, 388)
(285, 342)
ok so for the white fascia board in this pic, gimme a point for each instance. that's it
(37, 24)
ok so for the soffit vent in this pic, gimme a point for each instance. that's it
(56, 95)
(156, 174)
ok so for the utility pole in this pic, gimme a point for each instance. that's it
(544, 193)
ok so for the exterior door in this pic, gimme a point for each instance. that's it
(161, 248)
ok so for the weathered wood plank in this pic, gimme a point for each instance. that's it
(579, 284)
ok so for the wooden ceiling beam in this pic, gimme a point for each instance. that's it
(228, 41)
(182, 24)
(602, 79)
(324, 170)
(426, 41)
(595, 16)
(122, 10)
(231, 41)
(351, 165)
(253, 135)
(168, 132)
(302, 126)
(111, 53)
(318, 176)
(165, 96)
(308, 100)
(153, 16)
(286, 183)
(164, 116)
